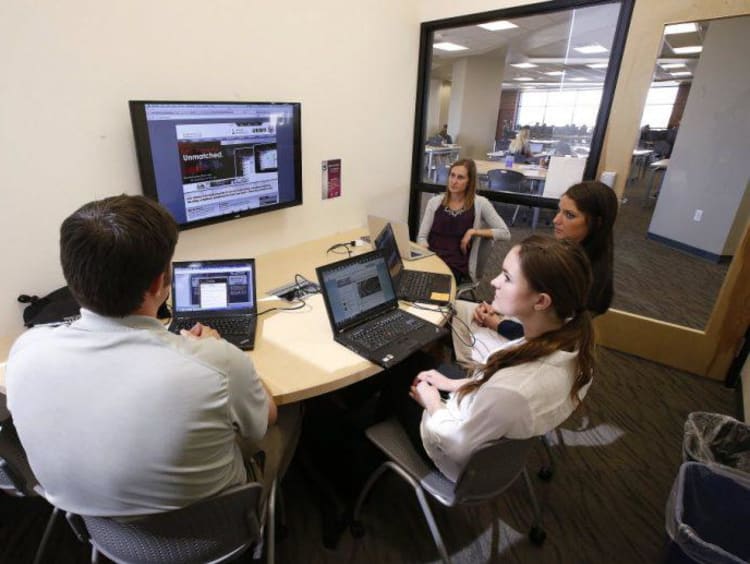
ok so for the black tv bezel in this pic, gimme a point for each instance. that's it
(144, 156)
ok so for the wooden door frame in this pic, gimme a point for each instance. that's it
(706, 353)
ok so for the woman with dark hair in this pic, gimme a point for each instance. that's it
(586, 215)
(525, 388)
(452, 220)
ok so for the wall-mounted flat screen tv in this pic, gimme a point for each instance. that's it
(213, 161)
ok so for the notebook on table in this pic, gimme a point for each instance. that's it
(217, 293)
(363, 311)
(407, 249)
(412, 285)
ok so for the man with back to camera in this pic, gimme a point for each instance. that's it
(118, 416)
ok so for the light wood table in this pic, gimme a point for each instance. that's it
(295, 353)
(532, 172)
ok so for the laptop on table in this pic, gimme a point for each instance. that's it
(407, 249)
(412, 285)
(217, 293)
(363, 310)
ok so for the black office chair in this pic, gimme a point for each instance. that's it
(17, 479)
(441, 175)
(508, 181)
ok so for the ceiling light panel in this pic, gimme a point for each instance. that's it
(598, 65)
(675, 29)
(523, 78)
(591, 49)
(498, 25)
(687, 50)
(672, 65)
(448, 46)
(524, 65)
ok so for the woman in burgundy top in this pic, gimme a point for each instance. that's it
(452, 220)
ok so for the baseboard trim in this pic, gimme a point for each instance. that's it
(695, 251)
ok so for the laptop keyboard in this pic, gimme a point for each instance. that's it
(386, 329)
(225, 326)
(416, 284)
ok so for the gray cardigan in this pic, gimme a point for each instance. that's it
(485, 217)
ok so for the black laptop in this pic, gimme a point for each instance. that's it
(412, 285)
(217, 293)
(363, 310)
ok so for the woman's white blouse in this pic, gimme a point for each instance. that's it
(518, 402)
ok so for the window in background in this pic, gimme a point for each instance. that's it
(559, 108)
(659, 103)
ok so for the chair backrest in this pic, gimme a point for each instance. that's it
(442, 175)
(16, 477)
(502, 179)
(491, 469)
(662, 149)
(210, 530)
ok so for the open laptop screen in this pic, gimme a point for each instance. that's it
(386, 242)
(356, 288)
(214, 286)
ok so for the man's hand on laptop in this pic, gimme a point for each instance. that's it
(200, 331)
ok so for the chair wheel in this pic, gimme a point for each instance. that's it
(537, 536)
(357, 529)
(545, 473)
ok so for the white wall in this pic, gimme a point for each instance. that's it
(708, 168)
(69, 68)
(439, 9)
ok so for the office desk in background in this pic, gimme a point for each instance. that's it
(437, 156)
(295, 353)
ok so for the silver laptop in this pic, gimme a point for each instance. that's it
(407, 249)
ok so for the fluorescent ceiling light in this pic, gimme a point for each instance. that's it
(687, 50)
(579, 79)
(523, 78)
(591, 49)
(674, 29)
(524, 65)
(448, 46)
(555, 73)
(672, 65)
(498, 25)
(681, 73)
(598, 65)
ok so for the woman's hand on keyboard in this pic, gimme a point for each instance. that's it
(200, 331)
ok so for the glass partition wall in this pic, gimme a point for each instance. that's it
(525, 90)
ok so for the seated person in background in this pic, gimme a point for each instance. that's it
(587, 213)
(118, 416)
(524, 389)
(447, 139)
(520, 146)
(452, 220)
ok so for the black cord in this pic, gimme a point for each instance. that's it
(346, 246)
(302, 304)
(305, 287)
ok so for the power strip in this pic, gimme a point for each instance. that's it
(294, 290)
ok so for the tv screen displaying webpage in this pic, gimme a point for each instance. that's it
(213, 161)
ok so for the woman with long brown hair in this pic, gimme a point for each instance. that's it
(586, 216)
(529, 386)
(454, 219)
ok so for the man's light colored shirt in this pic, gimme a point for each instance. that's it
(120, 417)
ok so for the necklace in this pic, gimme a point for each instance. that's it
(454, 213)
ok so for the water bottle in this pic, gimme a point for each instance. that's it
(509, 161)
